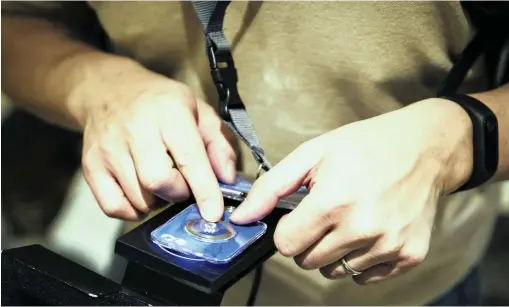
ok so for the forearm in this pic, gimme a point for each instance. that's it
(43, 69)
(498, 101)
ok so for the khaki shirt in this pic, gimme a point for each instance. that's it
(306, 68)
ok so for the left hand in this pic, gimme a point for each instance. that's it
(374, 187)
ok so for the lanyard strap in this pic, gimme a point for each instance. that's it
(224, 74)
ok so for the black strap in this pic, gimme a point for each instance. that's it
(491, 21)
(224, 74)
(458, 72)
(232, 109)
(484, 140)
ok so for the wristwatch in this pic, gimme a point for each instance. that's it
(485, 139)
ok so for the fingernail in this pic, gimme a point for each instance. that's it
(241, 214)
(230, 171)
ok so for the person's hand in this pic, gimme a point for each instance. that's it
(148, 135)
(374, 187)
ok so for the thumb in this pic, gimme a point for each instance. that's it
(219, 149)
(282, 180)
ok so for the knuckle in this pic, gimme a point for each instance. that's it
(284, 246)
(330, 213)
(365, 229)
(328, 216)
(337, 273)
(411, 258)
(134, 130)
(143, 208)
(365, 232)
(361, 280)
(182, 97)
(107, 150)
(114, 210)
(330, 273)
(185, 94)
(131, 129)
(327, 274)
(154, 181)
(185, 160)
(307, 262)
(391, 246)
(87, 160)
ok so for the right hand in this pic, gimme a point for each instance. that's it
(148, 135)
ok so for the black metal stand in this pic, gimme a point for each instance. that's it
(33, 275)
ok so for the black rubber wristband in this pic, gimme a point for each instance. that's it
(485, 139)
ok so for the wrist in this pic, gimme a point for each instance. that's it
(448, 140)
(458, 147)
(89, 76)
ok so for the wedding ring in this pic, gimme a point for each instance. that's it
(348, 268)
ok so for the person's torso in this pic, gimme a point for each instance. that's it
(306, 68)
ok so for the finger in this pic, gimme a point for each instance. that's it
(154, 168)
(381, 250)
(379, 273)
(108, 193)
(184, 142)
(283, 179)
(408, 256)
(326, 252)
(122, 166)
(220, 152)
(359, 260)
(302, 227)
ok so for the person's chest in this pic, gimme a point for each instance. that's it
(304, 67)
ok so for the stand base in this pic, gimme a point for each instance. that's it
(34, 275)
(173, 280)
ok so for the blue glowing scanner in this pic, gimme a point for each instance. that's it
(190, 236)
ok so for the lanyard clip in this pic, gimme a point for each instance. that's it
(259, 157)
(224, 76)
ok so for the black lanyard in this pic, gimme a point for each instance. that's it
(224, 74)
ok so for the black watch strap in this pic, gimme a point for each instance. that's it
(485, 139)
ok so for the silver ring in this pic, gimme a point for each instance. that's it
(348, 268)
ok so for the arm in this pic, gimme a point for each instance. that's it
(44, 67)
(127, 113)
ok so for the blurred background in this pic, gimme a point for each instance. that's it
(46, 201)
